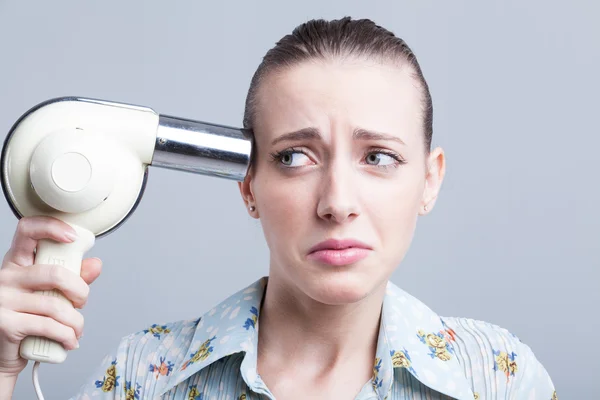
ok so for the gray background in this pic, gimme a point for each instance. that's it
(514, 236)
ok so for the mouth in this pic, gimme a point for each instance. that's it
(339, 252)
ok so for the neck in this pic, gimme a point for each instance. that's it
(294, 326)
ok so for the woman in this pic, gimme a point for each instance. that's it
(342, 168)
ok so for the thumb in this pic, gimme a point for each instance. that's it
(90, 269)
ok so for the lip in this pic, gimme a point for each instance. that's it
(339, 244)
(339, 251)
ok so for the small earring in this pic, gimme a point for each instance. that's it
(252, 208)
(425, 207)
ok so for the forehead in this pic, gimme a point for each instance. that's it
(340, 96)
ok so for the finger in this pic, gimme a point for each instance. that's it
(17, 326)
(45, 306)
(90, 269)
(29, 231)
(47, 277)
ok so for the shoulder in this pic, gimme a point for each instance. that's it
(162, 333)
(140, 355)
(496, 360)
(155, 341)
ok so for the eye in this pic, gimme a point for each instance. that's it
(292, 158)
(381, 159)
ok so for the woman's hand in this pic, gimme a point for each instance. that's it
(25, 313)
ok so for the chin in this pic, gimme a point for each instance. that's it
(339, 285)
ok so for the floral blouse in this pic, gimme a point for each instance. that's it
(420, 355)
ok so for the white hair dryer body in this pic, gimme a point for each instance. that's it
(84, 161)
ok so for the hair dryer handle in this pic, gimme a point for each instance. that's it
(67, 255)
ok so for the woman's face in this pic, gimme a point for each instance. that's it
(340, 155)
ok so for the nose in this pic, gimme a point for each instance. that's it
(338, 200)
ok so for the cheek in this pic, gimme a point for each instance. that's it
(285, 206)
(396, 197)
(393, 207)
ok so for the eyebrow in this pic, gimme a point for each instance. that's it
(313, 134)
(302, 134)
(365, 134)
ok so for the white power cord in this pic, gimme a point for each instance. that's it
(36, 383)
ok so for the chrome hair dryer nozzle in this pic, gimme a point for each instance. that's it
(85, 161)
(201, 148)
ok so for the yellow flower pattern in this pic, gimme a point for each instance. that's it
(505, 363)
(156, 330)
(401, 359)
(438, 343)
(132, 393)
(201, 354)
(110, 380)
(194, 394)
(376, 368)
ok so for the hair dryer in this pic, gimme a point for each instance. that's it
(84, 161)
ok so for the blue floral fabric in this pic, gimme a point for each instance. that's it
(420, 355)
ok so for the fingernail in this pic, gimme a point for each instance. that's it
(77, 345)
(71, 236)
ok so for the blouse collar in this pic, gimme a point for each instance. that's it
(411, 336)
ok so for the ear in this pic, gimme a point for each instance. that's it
(436, 169)
(248, 195)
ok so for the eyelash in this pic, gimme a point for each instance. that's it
(277, 156)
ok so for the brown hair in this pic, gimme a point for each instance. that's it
(321, 39)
